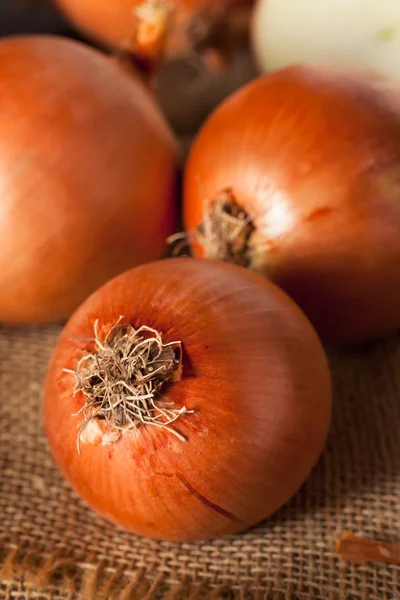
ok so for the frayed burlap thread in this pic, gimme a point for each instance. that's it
(54, 547)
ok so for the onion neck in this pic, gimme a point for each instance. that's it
(121, 382)
(214, 33)
(152, 23)
(226, 231)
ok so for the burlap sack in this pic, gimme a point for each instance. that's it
(51, 542)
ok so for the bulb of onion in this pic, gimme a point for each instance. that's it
(199, 396)
(87, 176)
(297, 176)
(359, 33)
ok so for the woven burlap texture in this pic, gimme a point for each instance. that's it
(53, 546)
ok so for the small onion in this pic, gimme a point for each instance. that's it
(297, 176)
(87, 176)
(360, 33)
(201, 425)
(175, 28)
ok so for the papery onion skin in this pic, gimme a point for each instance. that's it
(114, 22)
(255, 374)
(362, 33)
(87, 176)
(313, 157)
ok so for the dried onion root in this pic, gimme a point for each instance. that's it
(121, 383)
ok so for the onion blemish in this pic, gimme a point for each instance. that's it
(121, 383)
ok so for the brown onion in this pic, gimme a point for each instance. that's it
(150, 27)
(87, 173)
(230, 357)
(297, 176)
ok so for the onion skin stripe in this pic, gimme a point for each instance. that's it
(206, 502)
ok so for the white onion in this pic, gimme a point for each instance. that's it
(360, 33)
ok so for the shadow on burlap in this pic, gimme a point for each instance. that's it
(52, 546)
